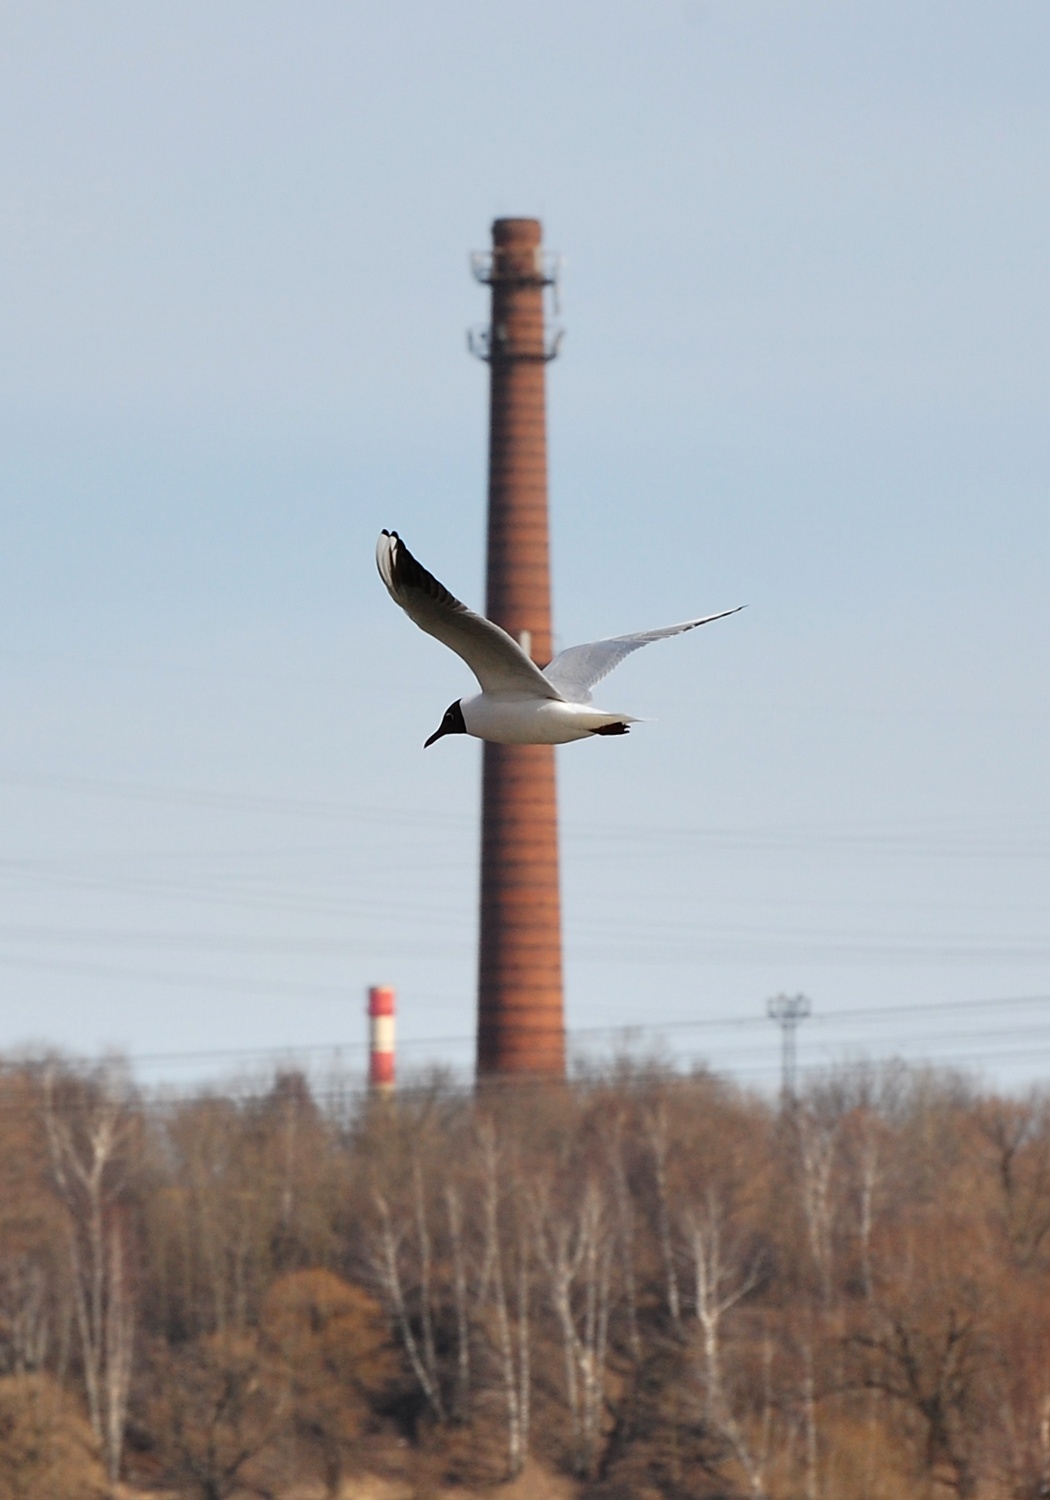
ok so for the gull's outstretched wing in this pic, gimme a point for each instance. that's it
(495, 658)
(575, 671)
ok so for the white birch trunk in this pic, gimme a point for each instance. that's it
(497, 1282)
(524, 1354)
(571, 1251)
(718, 1288)
(625, 1224)
(454, 1207)
(423, 1236)
(389, 1274)
(809, 1395)
(83, 1163)
(817, 1143)
(656, 1129)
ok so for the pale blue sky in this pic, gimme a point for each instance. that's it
(807, 309)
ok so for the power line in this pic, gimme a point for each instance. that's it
(755, 1022)
(952, 836)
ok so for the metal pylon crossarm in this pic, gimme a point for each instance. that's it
(789, 1011)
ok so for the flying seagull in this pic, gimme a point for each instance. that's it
(518, 704)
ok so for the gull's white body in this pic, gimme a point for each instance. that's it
(518, 704)
(518, 719)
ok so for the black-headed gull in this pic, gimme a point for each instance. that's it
(518, 704)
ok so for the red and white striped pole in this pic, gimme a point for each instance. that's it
(381, 1005)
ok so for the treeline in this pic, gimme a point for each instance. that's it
(654, 1285)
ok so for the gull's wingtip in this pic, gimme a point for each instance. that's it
(385, 555)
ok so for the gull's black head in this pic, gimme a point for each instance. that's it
(452, 723)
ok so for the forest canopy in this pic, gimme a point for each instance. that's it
(642, 1284)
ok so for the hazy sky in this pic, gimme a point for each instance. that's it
(806, 301)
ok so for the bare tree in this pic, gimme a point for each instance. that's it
(575, 1250)
(721, 1280)
(215, 1415)
(87, 1126)
(817, 1141)
(454, 1210)
(512, 1342)
(869, 1168)
(657, 1134)
(931, 1373)
(387, 1265)
(626, 1231)
(1017, 1132)
(25, 1324)
(809, 1399)
(426, 1319)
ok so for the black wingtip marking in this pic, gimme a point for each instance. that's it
(409, 573)
(613, 729)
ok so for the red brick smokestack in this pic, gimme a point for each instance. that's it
(521, 1028)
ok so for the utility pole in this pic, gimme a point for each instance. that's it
(789, 1011)
(521, 1028)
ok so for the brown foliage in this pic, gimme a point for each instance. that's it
(329, 1346)
(657, 1285)
(47, 1448)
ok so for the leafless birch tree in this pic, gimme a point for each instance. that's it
(512, 1330)
(25, 1324)
(625, 1228)
(387, 1263)
(86, 1132)
(721, 1280)
(575, 1249)
(657, 1133)
(454, 1210)
(817, 1142)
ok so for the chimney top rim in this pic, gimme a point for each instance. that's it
(517, 231)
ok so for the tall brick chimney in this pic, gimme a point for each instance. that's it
(521, 1028)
